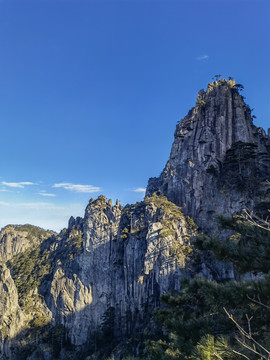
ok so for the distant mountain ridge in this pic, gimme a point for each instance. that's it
(93, 286)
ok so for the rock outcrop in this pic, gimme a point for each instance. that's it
(130, 257)
(15, 239)
(11, 315)
(220, 161)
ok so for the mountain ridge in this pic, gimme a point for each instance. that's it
(102, 276)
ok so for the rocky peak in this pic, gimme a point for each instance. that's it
(214, 144)
(74, 222)
(214, 87)
(100, 216)
(223, 117)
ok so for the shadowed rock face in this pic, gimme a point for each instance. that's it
(219, 160)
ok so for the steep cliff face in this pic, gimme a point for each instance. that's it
(15, 239)
(105, 272)
(130, 257)
(219, 160)
(11, 315)
(23, 311)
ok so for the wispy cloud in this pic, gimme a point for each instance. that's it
(21, 184)
(44, 193)
(36, 205)
(5, 190)
(78, 188)
(202, 57)
(140, 190)
(31, 205)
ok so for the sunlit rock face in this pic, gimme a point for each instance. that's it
(219, 160)
(15, 239)
(130, 257)
(11, 315)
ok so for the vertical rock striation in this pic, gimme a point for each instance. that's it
(130, 257)
(219, 160)
(11, 316)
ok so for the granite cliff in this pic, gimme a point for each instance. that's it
(107, 269)
(220, 161)
(64, 295)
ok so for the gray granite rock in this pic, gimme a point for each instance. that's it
(130, 257)
(219, 160)
(15, 239)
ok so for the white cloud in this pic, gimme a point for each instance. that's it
(44, 193)
(21, 184)
(140, 190)
(202, 57)
(4, 190)
(78, 188)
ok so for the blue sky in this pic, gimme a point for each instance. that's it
(91, 91)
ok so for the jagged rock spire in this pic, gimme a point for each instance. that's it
(193, 176)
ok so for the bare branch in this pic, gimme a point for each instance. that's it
(258, 302)
(256, 220)
(249, 337)
(249, 326)
(242, 343)
(238, 353)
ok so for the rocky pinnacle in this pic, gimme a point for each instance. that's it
(219, 160)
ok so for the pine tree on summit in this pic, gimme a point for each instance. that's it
(216, 77)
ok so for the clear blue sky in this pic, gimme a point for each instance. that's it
(91, 91)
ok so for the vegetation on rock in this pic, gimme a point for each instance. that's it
(197, 322)
(28, 269)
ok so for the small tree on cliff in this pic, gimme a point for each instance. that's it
(216, 77)
(239, 87)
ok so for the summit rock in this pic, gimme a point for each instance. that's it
(219, 161)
